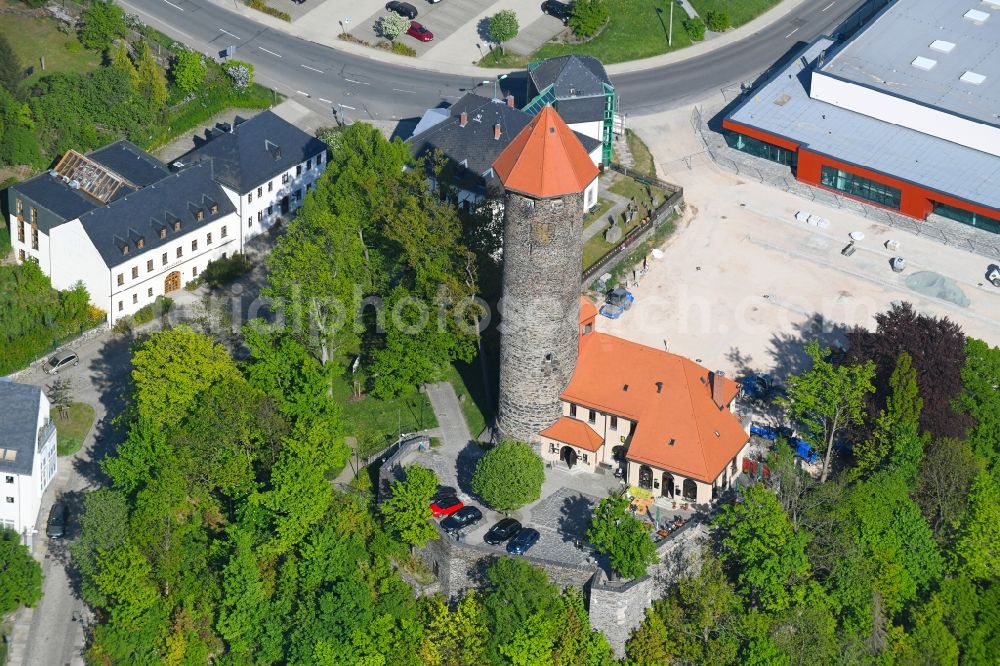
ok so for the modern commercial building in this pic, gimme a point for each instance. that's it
(131, 229)
(27, 454)
(904, 115)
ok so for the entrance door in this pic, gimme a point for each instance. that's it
(645, 477)
(172, 282)
(690, 490)
(284, 205)
(668, 486)
(568, 456)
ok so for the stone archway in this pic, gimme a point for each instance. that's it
(568, 456)
(646, 477)
(172, 282)
(690, 490)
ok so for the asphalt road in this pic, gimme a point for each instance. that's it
(358, 88)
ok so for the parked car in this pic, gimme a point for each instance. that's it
(55, 528)
(446, 506)
(502, 531)
(402, 8)
(60, 361)
(464, 517)
(559, 10)
(523, 541)
(419, 32)
(443, 492)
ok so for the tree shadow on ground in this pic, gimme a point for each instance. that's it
(58, 549)
(574, 518)
(465, 466)
(111, 369)
(788, 350)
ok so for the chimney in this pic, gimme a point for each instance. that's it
(496, 132)
(463, 119)
(659, 387)
(715, 385)
(510, 100)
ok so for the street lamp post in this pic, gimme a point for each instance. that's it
(343, 25)
(499, 78)
(670, 30)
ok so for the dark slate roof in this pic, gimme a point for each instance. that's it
(142, 214)
(581, 110)
(18, 426)
(54, 195)
(255, 151)
(474, 144)
(573, 76)
(129, 161)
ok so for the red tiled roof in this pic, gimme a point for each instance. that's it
(545, 159)
(574, 432)
(588, 310)
(679, 428)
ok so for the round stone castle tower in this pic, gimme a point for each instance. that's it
(549, 180)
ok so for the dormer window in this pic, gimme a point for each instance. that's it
(177, 225)
(141, 243)
(125, 249)
(199, 215)
(213, 209)
(163, 232)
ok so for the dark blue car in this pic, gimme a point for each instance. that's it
(523, 541)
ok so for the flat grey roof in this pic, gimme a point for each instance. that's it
(881, 56)
(783, 107)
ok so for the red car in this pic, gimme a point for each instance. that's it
(446, 506)
(418, 31)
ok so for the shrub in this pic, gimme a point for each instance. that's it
(587, 17)
(391, 25)
(403, 49)
(103, 21)
(718, 21)
(241, 74)
(73, 46)
(123, 325)
(262, 6)
(695, 28)
(189, 71)
(148, 313)
(223, 271)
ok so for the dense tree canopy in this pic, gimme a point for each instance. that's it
(103, 21)
(617, 533)
(509, 476)
(407, 512)
(20, 574)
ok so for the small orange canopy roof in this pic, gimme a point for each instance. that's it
(588, 310)
(679, 426)
(575, 433)
(545, 159)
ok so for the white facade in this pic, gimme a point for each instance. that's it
(28, 241)
(896, 110)
(21, 494)
(260, 207)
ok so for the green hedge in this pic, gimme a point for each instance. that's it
(224, 271)
(262, 6)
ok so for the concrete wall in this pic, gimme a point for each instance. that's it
(543, 246)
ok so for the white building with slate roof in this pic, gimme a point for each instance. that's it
(131, 229)
(27, 454)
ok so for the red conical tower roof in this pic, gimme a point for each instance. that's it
(545, 159)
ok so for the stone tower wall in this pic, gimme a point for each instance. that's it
(543, 252)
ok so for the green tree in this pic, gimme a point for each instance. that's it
(119, 59)
(509, 476)
(827, 398)
(807, 631)
(244, 608)
(172, 369)
(718, 21)
(454, 638)
(124, 579)
(588, 16)
(978, 547)
(980, 398)
(897, 442)
(10, 68)
(21, 579)
(946, 474)
(103, 22)
(59, 396)
(391, 25)
(503, 26)
(152, 81)
(765, 555)
(615, 532)
(407, 513)
(521, 607)
(103, 526)
(189, 71)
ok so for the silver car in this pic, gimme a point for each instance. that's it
(60, 361)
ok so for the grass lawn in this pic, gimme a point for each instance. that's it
(603, 206)
(740, 11)
(31, 38)
(506, 60)
(636, 30)
(375, 419)
(467, 379)
(71, 431)
(640, 153)
(628, 188)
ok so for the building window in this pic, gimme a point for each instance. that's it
(19, 207)
(180, 252)
(250, 198)
(222, 232)
(284, 179)
(121, 305)
(149, 292)
(260, 192)
(149, 266)
(121, 279)
(164, 258)
(199, 215)
(124, 249)
(177, 225)
(757, 148)
(298, 195)
(270, 186)
(614, 423)
(862, 188)
(141, 243)
(20, 256)
(208, 238)
(319, 158)
(249, 222)
(588, 328)
(260, 216)
(163, 232)
(309, 164)
(34, 236)
(572, 410)
(968, 217)
(194, 245)
(135, 272)
(583, 457)
(270, 209)
(9, 478)
(592, 417)
(10, 500)
(214, 208)
(298, 170)
(194, 271)
(135, 298)
(20, 232)
(34, 215)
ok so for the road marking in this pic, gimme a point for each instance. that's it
(173, 5)
(229, 33)
(829, 5)
(791, 33)
(325, 101)
(412, 92)
(163, 23)
(347, 107)
(312, 68)
(303, 93)
(364, 83)
(264, 50)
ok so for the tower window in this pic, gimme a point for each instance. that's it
(548, 358)
(572, 410)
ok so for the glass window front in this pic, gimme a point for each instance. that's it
(968, 217)
(857, 186)
(758, 148)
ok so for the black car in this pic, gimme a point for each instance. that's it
(442, 492)
(402, 8)
(560, 10)
(502, 531)
(464, 517)
(56, 526)
(523, 541)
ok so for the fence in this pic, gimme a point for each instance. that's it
(641, 231)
